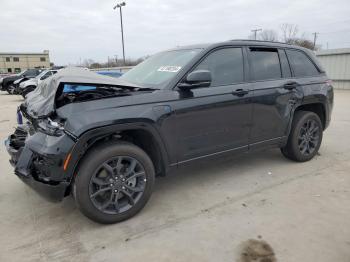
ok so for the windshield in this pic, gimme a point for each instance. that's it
(23, 72)
(160, 68)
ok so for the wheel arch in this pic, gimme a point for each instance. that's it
(316, 107)
(141, 134)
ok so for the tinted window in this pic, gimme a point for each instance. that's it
(301, 64)
(16, 59)
(31, 72)
(42, 59)
(46, 75)
(225, 65)
(7, 59)
(265, 63)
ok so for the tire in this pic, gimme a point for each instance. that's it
(120, 156)
(27, 90)
(305, 137)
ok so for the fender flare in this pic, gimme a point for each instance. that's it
(304, 103)
(80, 147)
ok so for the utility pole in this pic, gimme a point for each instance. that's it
(120, 5)
(255, 32)
(315, 37)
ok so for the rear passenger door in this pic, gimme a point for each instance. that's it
(274, 95)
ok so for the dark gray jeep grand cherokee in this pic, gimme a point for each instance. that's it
(104, 140)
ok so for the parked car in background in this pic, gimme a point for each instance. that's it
(115, 74)
(2, 76)
(28, 86)
(7, 82)
(104, 140)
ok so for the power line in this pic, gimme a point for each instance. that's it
(331, 23)
(339, 31)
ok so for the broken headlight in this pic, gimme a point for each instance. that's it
(50, 127)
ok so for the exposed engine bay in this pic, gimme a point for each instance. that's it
(81, 93)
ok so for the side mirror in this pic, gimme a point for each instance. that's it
(196, 79)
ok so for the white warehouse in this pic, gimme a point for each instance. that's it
(336, 62)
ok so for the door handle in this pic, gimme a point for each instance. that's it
(290, 85)
(240, 92)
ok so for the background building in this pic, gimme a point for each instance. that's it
(17, 62)
(336, 62)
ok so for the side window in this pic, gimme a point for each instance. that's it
(46, 75)
(301, 64)
(30, 73)
(265, 63)
(225, 65)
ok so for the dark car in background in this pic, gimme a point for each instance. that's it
(104, 140)
(7, 82)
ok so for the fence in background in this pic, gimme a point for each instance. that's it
(336, 62)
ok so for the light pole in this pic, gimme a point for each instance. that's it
(255, 31)
(120, 5)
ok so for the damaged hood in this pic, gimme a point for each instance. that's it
(41, 102)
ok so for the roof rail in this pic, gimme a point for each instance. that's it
(261, 41)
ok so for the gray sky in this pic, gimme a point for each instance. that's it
(74, 29)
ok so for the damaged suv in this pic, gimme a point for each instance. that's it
(104, 140)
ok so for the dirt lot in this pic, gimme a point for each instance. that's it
(211, 212)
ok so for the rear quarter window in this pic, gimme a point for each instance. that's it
(301, 64)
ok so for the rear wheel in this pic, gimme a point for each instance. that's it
(305, 137)
(114, 182)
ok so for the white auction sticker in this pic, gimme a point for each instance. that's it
(172, 69)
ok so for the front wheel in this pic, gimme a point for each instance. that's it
(10, 90)
(305, 137)
(114, 182)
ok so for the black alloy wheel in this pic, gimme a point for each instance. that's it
(117, 185)
(305, 137)
(114, 182)
(309, 137)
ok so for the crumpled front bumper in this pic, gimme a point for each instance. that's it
(42, 172)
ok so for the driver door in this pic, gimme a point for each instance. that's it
(215, 119)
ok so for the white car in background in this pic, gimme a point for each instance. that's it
(30, 85)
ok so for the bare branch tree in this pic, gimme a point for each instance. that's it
(304, 43)
(268, 35)
(289, 32)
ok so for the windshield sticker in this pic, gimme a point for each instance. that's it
(171, 69)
